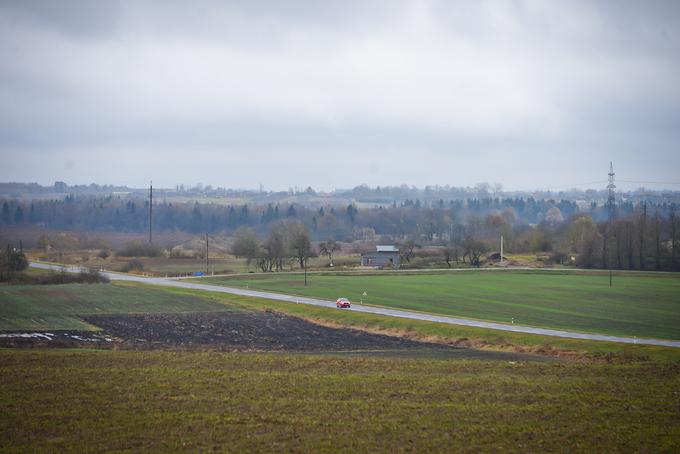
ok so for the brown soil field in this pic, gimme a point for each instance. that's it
(239, 331)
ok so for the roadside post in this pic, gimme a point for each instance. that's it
(361, 301)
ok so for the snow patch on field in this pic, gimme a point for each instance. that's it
(48, 336)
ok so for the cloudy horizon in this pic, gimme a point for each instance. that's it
(528, 94)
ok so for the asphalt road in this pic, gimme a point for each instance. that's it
(170, 282)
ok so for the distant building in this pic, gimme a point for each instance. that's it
(383, 257)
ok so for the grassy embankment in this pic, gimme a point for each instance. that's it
(83, 401)
(642, 305)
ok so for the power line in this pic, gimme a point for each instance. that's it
(574, 185)
(651, 182)
(600, 182)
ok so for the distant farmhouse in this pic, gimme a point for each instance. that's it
(383, 257)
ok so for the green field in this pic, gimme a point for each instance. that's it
(80, 401)
(642, 305)
(57, 307)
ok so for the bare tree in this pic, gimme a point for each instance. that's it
(618, 231)
(629, 244)
(643, 221)
(246, 244)
(300, 244)
(473, 249)
(585, 234)
(328, 248)
(451, 252)
(605, 240)
(274, 250)
(657, 240)
(406, 250)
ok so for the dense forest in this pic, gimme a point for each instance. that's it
(430, 219)
(641, 235)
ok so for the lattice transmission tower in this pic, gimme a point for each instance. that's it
(611, 195)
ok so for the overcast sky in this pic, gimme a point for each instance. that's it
(529, 94)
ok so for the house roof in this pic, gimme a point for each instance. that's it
(386, 249)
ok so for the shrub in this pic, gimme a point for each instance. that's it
(56, 278)
(133, 265)
(11, 262)
(179, 253)
(559, 257)
(139, 249)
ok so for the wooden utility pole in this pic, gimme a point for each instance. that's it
(501, 249)
(150, 212)
(673, 245)
(207, 255)
(611, 213)
(643, 221)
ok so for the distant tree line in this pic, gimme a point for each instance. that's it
(130, 214)
(642, 235)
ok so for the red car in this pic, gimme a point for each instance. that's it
(342, 302)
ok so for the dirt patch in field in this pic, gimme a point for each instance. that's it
(239, 330)
(266, 331)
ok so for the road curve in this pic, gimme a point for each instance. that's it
(169, 282)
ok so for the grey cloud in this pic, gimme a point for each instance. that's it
(75, 18)
(476, 87)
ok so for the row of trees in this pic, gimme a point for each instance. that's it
(286, 242)
(642, 240)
